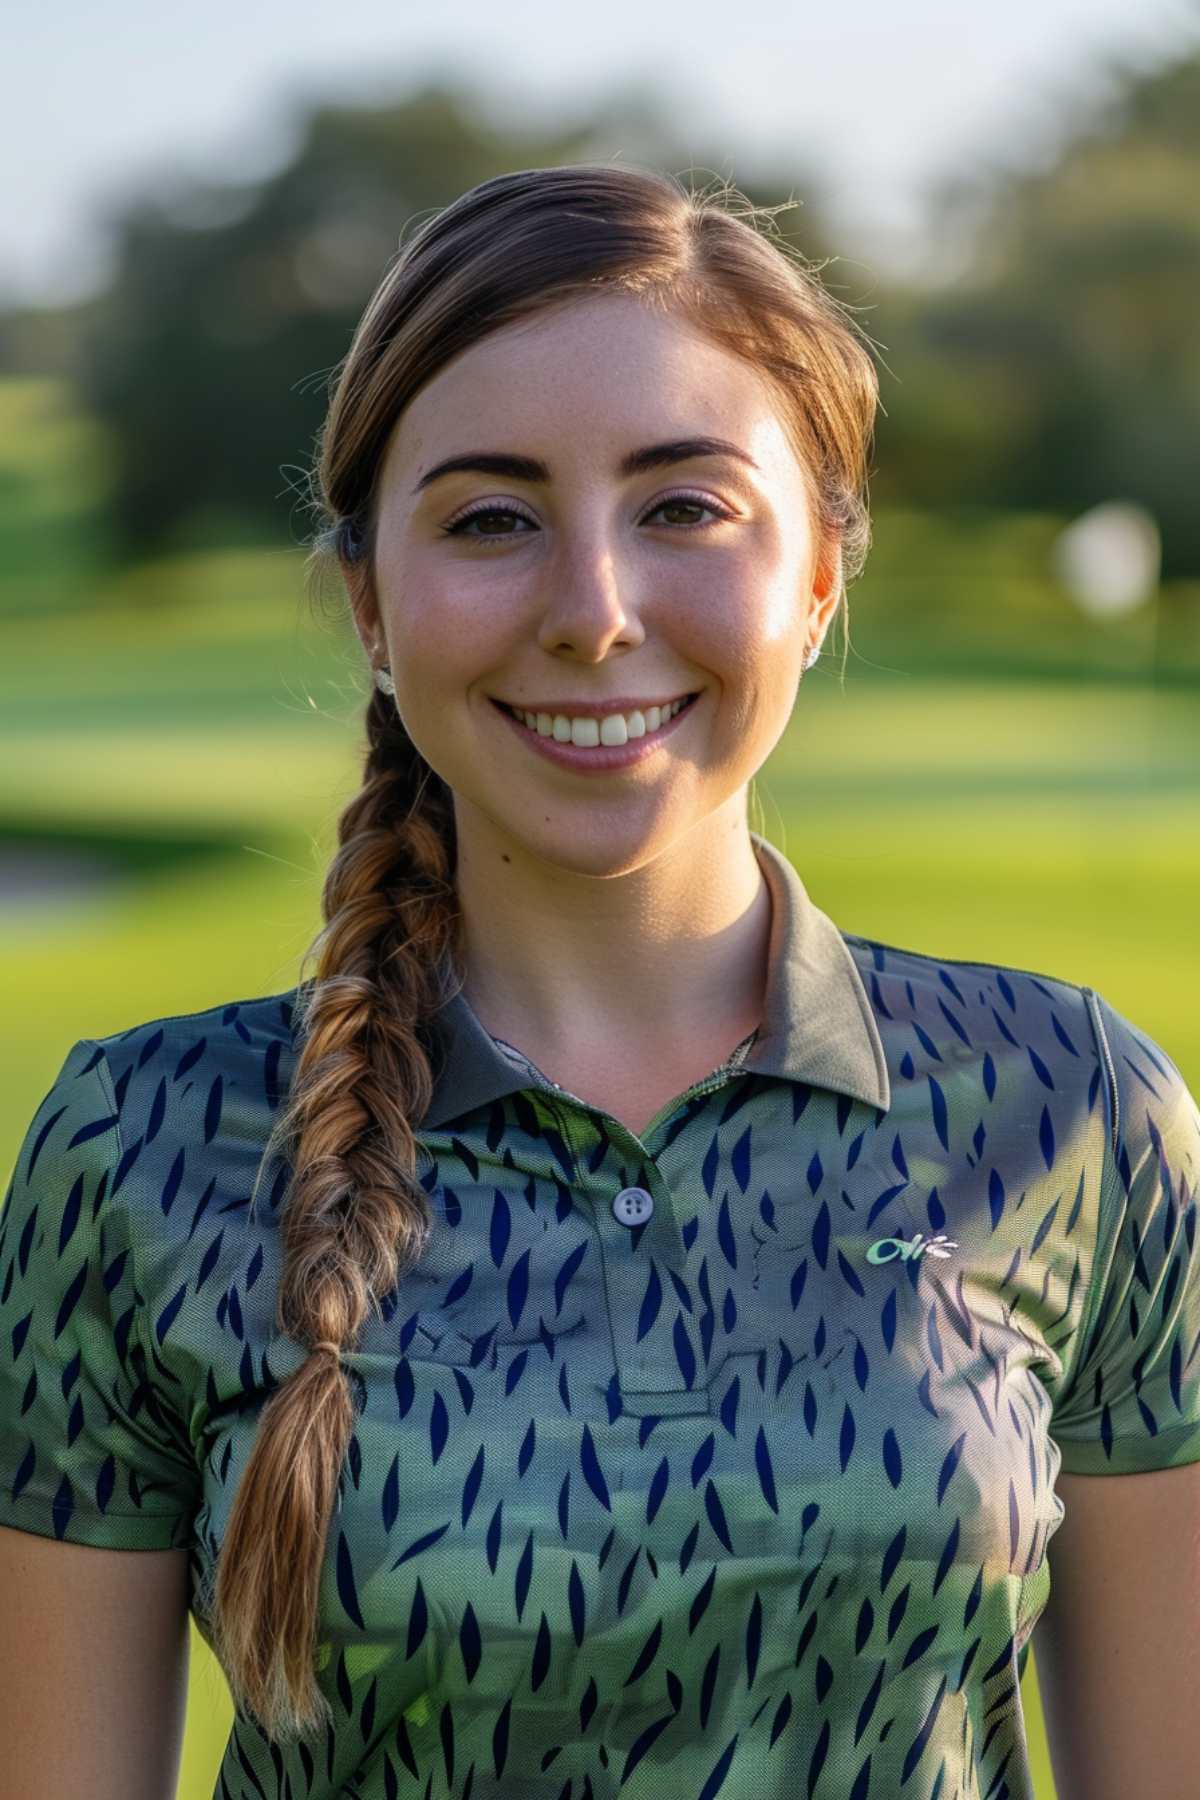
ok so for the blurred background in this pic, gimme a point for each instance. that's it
(196, 209)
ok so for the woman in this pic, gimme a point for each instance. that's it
(641, 1355)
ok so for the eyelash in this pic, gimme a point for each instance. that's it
(455, 529)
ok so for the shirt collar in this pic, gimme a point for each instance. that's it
(818, 1025)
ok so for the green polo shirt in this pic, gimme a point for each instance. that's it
(715, 1460)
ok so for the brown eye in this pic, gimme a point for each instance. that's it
(698, 502)
(458, 528)
(675, 505)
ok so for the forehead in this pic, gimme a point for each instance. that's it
(602, 373)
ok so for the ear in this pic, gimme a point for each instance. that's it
(826, 590)
(364, 606)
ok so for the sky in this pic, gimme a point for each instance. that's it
(877, 101)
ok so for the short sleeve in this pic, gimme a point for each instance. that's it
(1132, 1401)
(90, 1450)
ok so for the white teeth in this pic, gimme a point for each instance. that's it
(616, 728)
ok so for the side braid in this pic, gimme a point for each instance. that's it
(356, 1218)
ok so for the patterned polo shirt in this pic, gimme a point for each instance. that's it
(715, 1460)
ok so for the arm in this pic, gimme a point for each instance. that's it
(97, 1486)
(93, 1670)
(1117, 1649)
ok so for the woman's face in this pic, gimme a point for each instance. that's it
(593, 582)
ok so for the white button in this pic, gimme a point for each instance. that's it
(633, 1206)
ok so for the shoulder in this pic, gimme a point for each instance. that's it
(165, 1103)
(1156, 1120)
(240, 1042)
(256, 1020)
(166, 1122)
(978, 1002)
(1071, 1046)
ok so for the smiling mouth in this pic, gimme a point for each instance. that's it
(563, 728)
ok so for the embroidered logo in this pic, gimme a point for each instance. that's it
(887, 1249)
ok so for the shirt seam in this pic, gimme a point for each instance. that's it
(965, 962)
(1172, 1435)
(26, 1495)
(102, 1070)
(202, 1012)
(1108, 1175)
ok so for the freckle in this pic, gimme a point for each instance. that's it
(505, 857)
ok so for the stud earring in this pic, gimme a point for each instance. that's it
(383, 681)
(811, 655)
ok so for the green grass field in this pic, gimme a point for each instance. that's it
(201, 756)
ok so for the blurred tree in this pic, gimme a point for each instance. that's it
(208, 358)
(1062, 367)
(1056, 364)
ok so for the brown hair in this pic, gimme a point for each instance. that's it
(356, 1218)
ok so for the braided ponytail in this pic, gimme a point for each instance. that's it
(356, 1218)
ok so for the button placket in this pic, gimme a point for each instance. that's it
(642, 1248)
(650, 1368)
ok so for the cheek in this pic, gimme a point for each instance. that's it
(450, 648)
(446, 634)
(754, 642)
(778, 616)
(751, 599)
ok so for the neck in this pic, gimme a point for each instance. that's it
(671, 952)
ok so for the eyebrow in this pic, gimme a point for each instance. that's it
(529, 468)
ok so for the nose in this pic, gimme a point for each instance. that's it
(588, 603)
